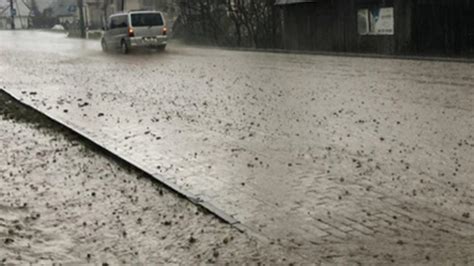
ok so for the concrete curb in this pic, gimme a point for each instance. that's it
(222, 215)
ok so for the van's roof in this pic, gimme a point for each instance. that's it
(135, 12)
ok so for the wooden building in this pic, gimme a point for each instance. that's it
(379, 26)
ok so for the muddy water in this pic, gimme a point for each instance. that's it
(318, 153)
(62, 203)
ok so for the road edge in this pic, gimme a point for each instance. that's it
(84, 137)
(445, 59)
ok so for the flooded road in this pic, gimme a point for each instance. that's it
(338, 158)
(64, 202)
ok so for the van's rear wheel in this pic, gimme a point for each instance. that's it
(124, 47)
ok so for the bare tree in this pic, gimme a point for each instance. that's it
(230, 22)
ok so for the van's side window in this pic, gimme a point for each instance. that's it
(118, 22)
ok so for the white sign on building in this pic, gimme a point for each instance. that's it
(376, 21)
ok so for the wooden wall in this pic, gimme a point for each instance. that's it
(443, 26)
(430, 26)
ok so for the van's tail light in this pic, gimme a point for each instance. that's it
(131, 32)
(164, 31)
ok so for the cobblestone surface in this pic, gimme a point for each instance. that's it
(342, 159)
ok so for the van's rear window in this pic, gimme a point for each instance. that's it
(150, 19)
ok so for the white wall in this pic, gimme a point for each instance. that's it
(20, 23)
(132, 4)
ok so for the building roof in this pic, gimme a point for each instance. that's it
(290, 2)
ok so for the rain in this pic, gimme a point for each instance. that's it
(236, 156)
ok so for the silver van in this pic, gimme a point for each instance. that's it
(125, 31)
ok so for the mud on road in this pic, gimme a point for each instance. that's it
(62, 201)
(345, 160)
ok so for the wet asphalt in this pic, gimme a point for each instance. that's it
(348, 157)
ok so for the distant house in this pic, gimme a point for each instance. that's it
(96, 12)
(378, 26)
(43, 4)
(21, 15)
(115, 6)
(66, 11)
(99, 10)
(127, 5)
(167, 6)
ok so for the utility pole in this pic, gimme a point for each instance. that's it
(12, 13)
(80, 5)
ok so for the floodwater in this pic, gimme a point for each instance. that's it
(347, 159)
(60, 203)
